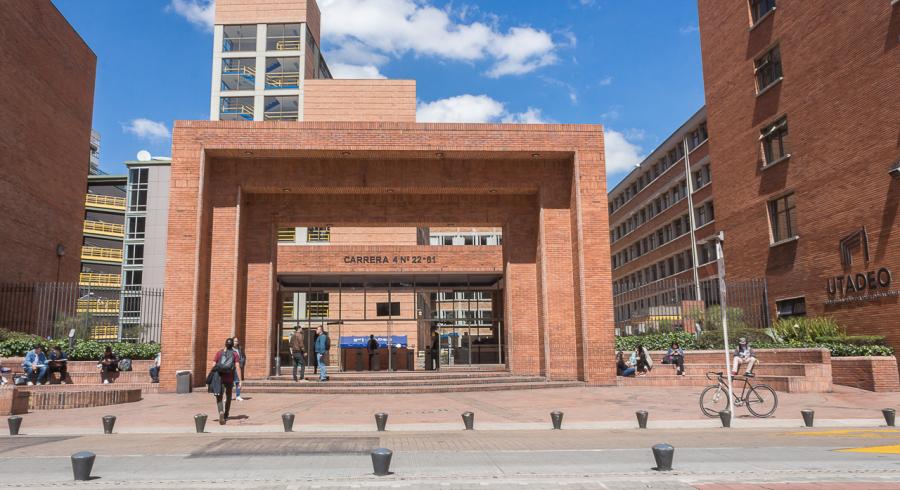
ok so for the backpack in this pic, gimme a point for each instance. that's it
(20, 380)
(226, 362)
(125, 365)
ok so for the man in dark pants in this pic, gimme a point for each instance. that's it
(436, 350)
(226, 362)
(372, 347)
(296, 346)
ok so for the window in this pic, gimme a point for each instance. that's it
(759, 8)
(767, 69)
(387, 309)
(774, 142)
(704, 214)
(138, 180)
(282, 107)
(239, 38)
(317, 305)
(238, 73)
(783, 217)
(318, 234)
(134, 254)
(133, 278)
(282, 72)
(791, 307)
(236, 109)
(136, 226)
(283, 37)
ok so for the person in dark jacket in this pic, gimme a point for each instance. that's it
(323, 344)
(676, 354)
(57, 363)
(622, 367)
(224, 366)
(436, 350)
(372, 348)
(109, 365)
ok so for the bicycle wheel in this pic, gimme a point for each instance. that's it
(713, 399)
(761, 401)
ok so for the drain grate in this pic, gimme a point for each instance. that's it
(287, 446)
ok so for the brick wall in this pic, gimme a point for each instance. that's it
(867, 373)
(266, 11)
(359, 100)
(48, 87)
(839, 62)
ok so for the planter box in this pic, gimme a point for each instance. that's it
(867, 373)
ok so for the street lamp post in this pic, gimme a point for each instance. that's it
(719, 240)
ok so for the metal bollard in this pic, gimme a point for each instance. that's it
(15, 422)
(725, 416)
(469, 420)
(381, 421)
(889, 414)
(200, 422)
(287, 419)
(808, 416)
(82, 464)
(381, 461)
(642, 416)
(109, 421)
(556, 417)
(663, 454)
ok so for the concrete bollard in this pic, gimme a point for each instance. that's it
(15, 422)
(381, 461)
(381, 421)
(663, 454)
(889, 415)
(109, 421)
(556, 417)
(808, 416)
(200, 422)
(469, 420)
(287, 419)
(642, 416)
(82, 464)
(725, 417)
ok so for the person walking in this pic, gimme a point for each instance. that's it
(372, 348)
(436, 350)
(296, 347)
(239, 376)
(323, 344)
(224, 366)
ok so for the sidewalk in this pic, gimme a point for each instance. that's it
(584, 408)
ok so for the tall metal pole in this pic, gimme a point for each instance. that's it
(691, 221)
(723, 305)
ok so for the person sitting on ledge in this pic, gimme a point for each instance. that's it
(743, 355)
(154, 369)
(676, 354)
(109, 364)
(35, 366)
(58, 363)
(641, 359)
(622, 367)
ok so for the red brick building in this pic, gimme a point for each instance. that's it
(48, 83)
(803, 113)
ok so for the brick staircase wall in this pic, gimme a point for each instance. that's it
(867, 373)
(86, 372)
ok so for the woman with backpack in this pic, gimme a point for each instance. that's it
(109, 365)
(221, 378)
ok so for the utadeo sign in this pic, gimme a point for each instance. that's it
(858, 287)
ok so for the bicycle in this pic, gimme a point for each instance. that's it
(760, 399)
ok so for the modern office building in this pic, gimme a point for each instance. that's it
(356, 191)
(95, 153)
(43, 155)
(803, 110)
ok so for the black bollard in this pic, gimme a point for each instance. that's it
(725, 416)
(469, 420)
(381, 421)
(200, 422)
(82, 464)
(889, 414)
(556, 417)
(663, 454)
(287, 419)
(808, 416)
(381, 461)
(15, 422)
(109, 421)
(642, 418)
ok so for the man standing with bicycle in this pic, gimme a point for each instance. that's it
(743, 355)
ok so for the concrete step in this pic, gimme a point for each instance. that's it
(388, 382)
(399, 375)
(144, 387)
(771, 369)
(789, 384)
(328, 388)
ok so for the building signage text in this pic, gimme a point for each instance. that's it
(859, 287)
(395, 259)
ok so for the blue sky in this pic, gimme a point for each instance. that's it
(632, 65)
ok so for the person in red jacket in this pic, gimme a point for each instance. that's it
(224, 364)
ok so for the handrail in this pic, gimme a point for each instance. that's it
(281, 114)
(243, 109)
(109, 254)
(97, 279)
(91, 226)
(291, 43)
(104, 332)
(282, 79)
(97, 305)
(100, 201)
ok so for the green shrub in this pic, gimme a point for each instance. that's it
(84, 350)
(714, 339)
(854, 340)
(657, 341)
(805, 329)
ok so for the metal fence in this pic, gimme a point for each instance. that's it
(57, 310)
(672, 305)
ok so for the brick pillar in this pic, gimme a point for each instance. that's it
(523, 334)
(223, 259)
(259, 289)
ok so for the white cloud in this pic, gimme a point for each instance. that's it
(198, 12)
(606, 81)
(611, 115)
(474, 109)
(372, 31)
(147, 129)
(621, 154)
(635, 134)
(688, 29)
(343, 70)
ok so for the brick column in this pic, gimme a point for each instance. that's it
(223, 258)
(259, 288)
(523, 332)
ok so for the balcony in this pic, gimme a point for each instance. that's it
(104, 332)
(283, 80)
(100, 254)
(99, 280)
(288, 43)
(287, 235)
(104, 202)
(98, 306)
(104, 229)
